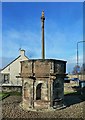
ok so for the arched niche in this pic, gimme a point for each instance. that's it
(38, 91)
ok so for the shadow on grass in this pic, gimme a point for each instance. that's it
(7, 94)
(16, 96)
(4, 95)
(73, 98)
(69, 98)
(15, 93)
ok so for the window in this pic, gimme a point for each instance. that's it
(6, 78)
(38, 91)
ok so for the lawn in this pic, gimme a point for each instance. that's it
(15, 93)
(70, 92)
(6, 94)
(3, 95)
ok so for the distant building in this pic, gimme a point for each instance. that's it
(8, 73)
(80, 77)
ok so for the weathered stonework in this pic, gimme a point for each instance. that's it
(43, 83)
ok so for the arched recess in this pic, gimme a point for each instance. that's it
(26, 91)
(38, 91)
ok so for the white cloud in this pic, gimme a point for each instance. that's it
(59, 44)
(73, 59)
(13, 40)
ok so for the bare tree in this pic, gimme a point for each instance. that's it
(76, 69)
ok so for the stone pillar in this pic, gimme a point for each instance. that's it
(22, 89)
(44, 91)
(31, 93)
(43, 49)
(51, 92)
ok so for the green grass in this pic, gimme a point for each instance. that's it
(3, 95)
(15, 93)
(6, 94)
(70, 92)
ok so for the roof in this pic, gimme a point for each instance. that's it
(12, 62)
(46, 60)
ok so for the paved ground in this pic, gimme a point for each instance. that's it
(74, 109)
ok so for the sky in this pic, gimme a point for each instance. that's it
(21, 28)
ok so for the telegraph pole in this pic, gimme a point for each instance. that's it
(78, 57)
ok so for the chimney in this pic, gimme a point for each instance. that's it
(43, 45)
(22, 53)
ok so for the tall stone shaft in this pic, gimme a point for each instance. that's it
(43, 44)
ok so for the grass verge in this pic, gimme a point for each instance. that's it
(71, 93)
(4, 95)
(15, 93)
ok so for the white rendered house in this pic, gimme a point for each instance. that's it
(12, 70)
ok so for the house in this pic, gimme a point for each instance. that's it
(9, 72)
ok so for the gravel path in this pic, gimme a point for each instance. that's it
(74, 109)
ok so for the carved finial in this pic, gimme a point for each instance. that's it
(42, 13)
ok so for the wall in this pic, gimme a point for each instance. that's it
(14, 70)
(38, 72)
(11, 89)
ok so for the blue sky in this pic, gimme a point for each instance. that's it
(21, 28)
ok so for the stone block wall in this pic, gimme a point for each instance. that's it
(59, 67)
(43, 83)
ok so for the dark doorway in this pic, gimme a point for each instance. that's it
(38, 91)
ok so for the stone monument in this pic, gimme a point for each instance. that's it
(42, 81)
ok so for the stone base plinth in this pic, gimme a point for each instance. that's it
(25, 107)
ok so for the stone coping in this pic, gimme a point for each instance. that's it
(42, 60)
